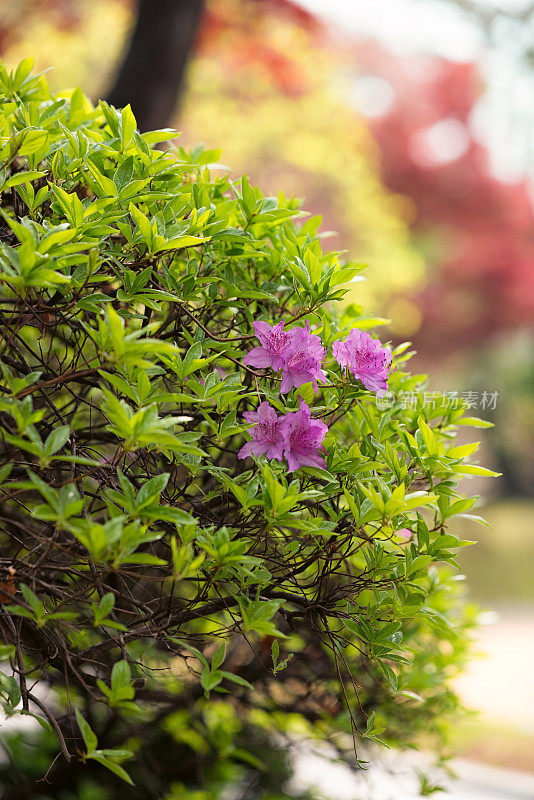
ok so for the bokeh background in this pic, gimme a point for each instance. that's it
(408, 126)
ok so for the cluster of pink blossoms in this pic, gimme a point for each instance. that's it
(294, 435)
(366, 358)
(298, 355)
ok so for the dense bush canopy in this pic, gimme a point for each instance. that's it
(170, 611)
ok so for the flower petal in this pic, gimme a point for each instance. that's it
(258, 357)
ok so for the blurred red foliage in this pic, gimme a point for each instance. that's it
(247, 18)
(479, 229)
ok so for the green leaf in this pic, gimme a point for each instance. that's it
(22, 72)
(257, 616)
(428, 437)
(249, 196)
(474, 469)
(23, 177)
(142, 222)
(218, 656)
(462, 450)
(181, 242)
(120, 675)
(56, 440)
(417, 499)
(91, 742)
(6, 651)
(474, 422)
(231, 676)
(115, 768)
(124, 173)
(33, 140)
(192, 650)
(128, 125)
(104, 608)
(209, 680)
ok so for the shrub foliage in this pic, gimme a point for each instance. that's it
(170, 612)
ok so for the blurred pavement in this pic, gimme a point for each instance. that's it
(500, 684)
(396, 779)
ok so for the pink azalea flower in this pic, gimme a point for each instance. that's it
(266, 434)
(301, 359)
(366, 358)
(302, 439)
(273, 342)
(405, 535)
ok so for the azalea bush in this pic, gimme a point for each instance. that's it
(218, 534)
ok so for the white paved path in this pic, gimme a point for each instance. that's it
(500, 685)
(398, 781)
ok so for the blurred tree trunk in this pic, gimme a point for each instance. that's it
(151, 75)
